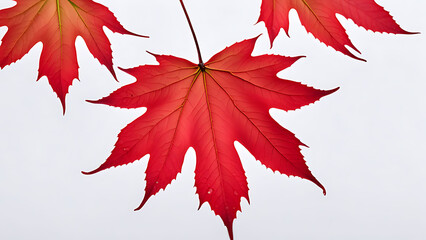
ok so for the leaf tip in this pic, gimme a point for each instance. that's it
(325, 93)
(94, 101)
(93, 171)
(153, 54)
(125, 31)
(138, 35)
(296, 58)
(333, 90)
(348, 53)
(145, 199)
(114, 75)
(230, 231)
(63, 107)
(402, 31)
(87, 173)
(271, 43)
(314, 180)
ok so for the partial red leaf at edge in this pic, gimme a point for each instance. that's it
(319, 18)
(57, 23)
(209, 108)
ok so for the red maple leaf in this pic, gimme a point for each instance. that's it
(319, 18)
(57, 23)
(209, 107)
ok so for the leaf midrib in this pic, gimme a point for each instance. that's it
(76, 8)
(318, 19)
(245, 115)
(29, 25)
(225, 203)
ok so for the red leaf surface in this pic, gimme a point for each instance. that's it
(57, 23)
(209, 108)
(319, 18)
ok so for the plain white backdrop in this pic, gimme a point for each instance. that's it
(367, 140)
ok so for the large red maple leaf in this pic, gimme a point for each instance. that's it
(57, 23)
(209, 107)
(319, 18)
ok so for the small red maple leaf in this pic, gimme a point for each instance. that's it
(319, 18)
(209, 107)
(57, 23)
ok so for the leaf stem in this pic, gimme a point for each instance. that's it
(200, 59)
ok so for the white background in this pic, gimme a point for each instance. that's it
(367, 141)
